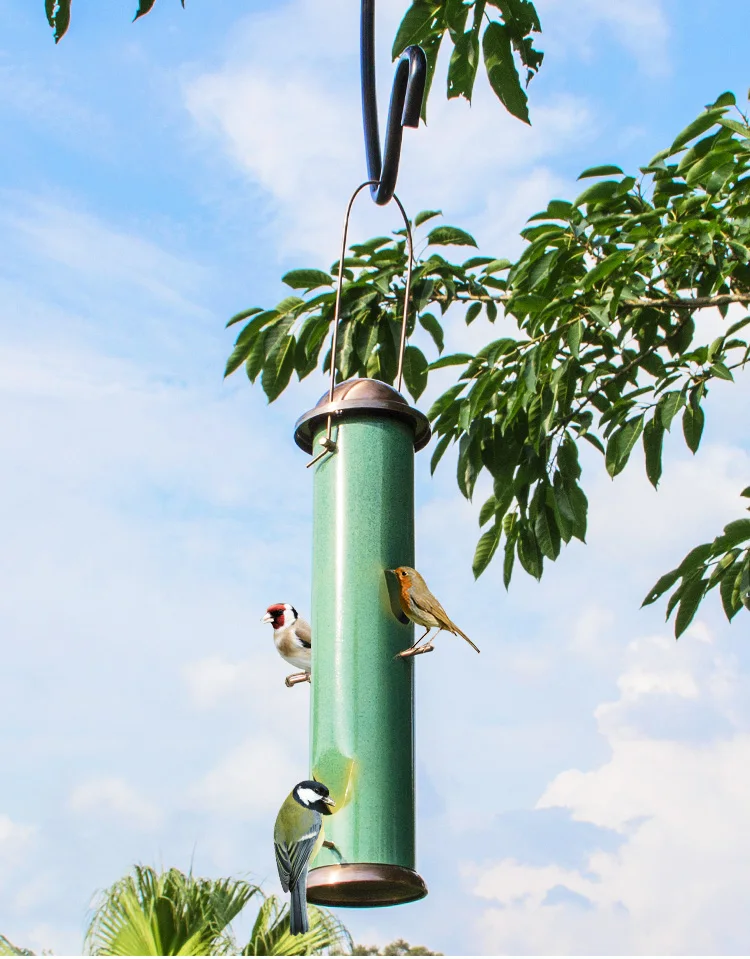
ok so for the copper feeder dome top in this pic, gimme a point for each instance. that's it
(361, 396)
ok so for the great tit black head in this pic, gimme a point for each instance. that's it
(313, 795)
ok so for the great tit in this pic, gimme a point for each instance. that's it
(297, 838)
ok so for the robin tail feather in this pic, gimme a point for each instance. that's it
(460, 632)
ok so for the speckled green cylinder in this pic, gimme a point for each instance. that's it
(362, 706)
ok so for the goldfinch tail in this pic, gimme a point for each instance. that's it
(298, 907)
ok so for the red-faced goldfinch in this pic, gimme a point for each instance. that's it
(292, 636)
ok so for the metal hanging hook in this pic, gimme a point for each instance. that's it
(327, 442)
(404, 110)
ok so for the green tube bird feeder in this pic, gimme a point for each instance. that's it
(362, 699)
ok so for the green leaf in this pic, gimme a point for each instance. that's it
(473, 312)
(620, 444)
(704, 122)
(475, 261)
(597, 192)
(720, 370)
(243, 315)
(307, 279)
(501, 70)
(653, 440)
(58, 17)
(144, 7)
(246, 342)
(496, 266)
(444, 401)
(735, 532)
(485, 550)
(488, 510)
(452, 359)
(508, 562)
(450, 236)
(462, 69)
(603, 269)
(549, 544)
(529, 553)
(661, 586)
(692, 595)
(279, 368)
(289, 304)
(414, 27)
(415, 371)
(726, 591)
(428, 322)
(738, 325)
(573, 337)
(606, 170)
(442, 446)
(692, 426)
(426, 215)
(668, 406)
(726, 99)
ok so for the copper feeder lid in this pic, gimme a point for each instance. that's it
(364, 884)
(361, 396)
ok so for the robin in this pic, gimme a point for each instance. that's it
(422, 608)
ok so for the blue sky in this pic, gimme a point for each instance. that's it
(584, 791)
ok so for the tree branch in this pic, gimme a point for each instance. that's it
(671, 303)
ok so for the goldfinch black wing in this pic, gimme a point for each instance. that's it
(304, 633)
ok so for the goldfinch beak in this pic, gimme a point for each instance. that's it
(268, 618)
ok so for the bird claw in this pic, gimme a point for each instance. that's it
(416, 652)
(296, 678)
(327, 844)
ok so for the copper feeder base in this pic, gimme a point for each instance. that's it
(364, 884)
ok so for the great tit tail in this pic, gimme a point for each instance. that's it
(298, 908)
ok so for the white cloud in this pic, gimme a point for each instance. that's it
(574, 27)
(15, 839)
(299, 137)
(677, 883)
(113, 798)
(109, 261)
(251, 781)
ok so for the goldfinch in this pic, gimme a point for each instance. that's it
(297, 838)
(293, 639)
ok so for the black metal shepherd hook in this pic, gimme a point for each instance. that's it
(404, 109)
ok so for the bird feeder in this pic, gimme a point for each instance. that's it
(362, 698)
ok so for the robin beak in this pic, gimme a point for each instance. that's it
(268, 618)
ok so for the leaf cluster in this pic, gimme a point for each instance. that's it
(399, 947)
(275, 343)
(173, 914)
(723, 563)
(604, 346)
(604, 297)
(499, 32)
(8, 949)
(58, 14)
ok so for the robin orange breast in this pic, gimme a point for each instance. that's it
(422, 608)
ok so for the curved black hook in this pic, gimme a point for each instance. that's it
(404, 109)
